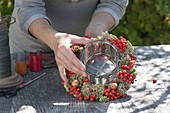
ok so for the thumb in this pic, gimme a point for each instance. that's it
(81, 41)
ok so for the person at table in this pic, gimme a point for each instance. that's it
(54, 25)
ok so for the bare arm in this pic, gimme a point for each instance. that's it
(60, 43)
(106, 16)
(100, 22)
(41, 29)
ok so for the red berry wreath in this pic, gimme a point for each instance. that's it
(81, 88)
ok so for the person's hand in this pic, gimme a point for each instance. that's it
(64, 57)
(100, 22)
(95, 30)
(60, 43)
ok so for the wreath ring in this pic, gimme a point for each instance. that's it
(81, 88)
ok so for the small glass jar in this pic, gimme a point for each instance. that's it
(35, 61)
(21, 64)
(102, 60)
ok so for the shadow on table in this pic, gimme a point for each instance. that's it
(153, 63)
(76, 106)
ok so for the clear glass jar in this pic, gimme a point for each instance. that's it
(102, 61)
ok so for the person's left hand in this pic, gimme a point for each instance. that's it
(95, 30)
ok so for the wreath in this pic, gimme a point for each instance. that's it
(81, 88)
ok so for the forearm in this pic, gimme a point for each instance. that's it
(116, 8)
(42, 30)
(103, 19)
(100, 22)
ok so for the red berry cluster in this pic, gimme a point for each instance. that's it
(69, 74)
(113, 94)
(85, 79)
(154, 80)
(126, 76)
(76, 91)
(128, 67)
(88, 36)
(120, 43)
(132, 57)
(91, 97)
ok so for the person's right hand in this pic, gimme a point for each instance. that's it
(64, 57)
(60, 43)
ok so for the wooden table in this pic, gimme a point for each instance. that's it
(47, 95)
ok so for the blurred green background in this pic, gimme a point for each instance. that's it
(146, 22)
(6, 6)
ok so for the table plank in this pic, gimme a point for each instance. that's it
(47, 95)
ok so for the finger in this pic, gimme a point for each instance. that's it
(74, 60)
(62, 73)
(81, 73)
(68, 65)
(81, 40)
(71, 58)
(84, 74)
